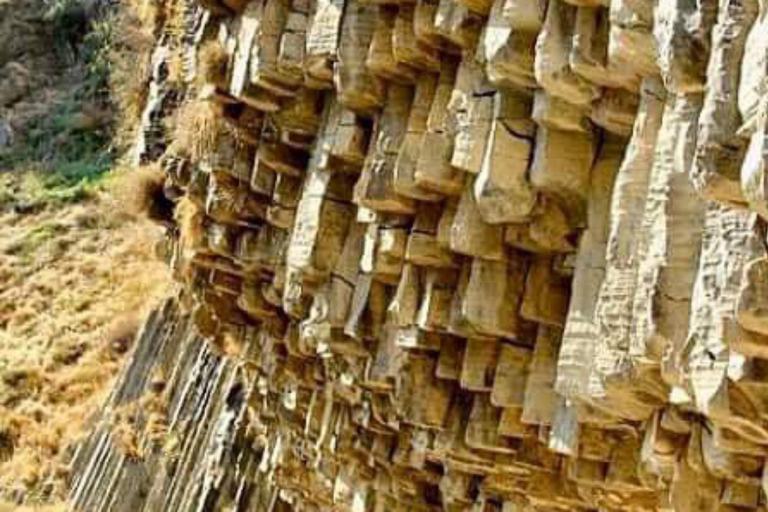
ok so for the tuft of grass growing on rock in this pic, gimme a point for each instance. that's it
(140, 192)
(198, 126)
(213, 60)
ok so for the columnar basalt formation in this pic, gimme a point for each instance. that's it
(499, 255)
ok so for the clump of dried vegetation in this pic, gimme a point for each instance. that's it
(197, 127)
(138, 190)
(213, 64)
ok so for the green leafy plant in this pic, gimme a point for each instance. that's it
(63, 164)
(62, 160)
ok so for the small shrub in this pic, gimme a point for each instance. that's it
(69, 22)
(95, 54)
(139, 191)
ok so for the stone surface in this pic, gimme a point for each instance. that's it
(455, 255)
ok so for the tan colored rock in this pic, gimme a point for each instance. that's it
(682, 33)
(630, 192)
(631, 49)
(705, 358)
(501, 190)
(580, 335)
(553, 48)
(546, 295)
(471, 107)
(561, 168)
(321, 227)
(433, 168)
(753, 173)
(453, 255)
(671, 233)
(406, 48)
(357, 89)
(556, 113)
(381, 58)
(751, 308)
(488, 300)
(323, 37)
(615, 111)
(508, 44)
(409, 151)
(470, 234)
(719, 149)
(748, 16)
(589, 51)
(540, 398)
(376, 187)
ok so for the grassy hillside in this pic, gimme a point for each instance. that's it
(76, 272)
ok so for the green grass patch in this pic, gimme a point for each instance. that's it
(32, 240)
(63, 172)
(58, 160)
(55, 162)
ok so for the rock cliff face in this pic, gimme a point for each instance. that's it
(452, 254)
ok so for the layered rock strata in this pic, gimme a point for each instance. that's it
(499, 255)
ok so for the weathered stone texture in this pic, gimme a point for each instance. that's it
(450, 255)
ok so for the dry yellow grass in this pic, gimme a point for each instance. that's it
(213, 61)
(197, 127)
(138, 190)
(75, 281)
(7, 507)
(77, 273)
